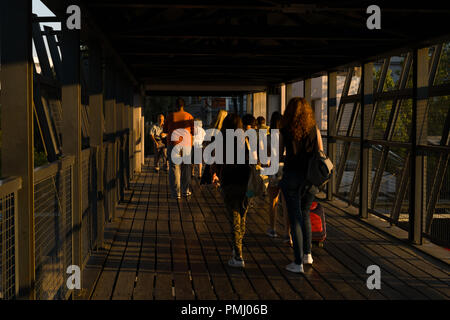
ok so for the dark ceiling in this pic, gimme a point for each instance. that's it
(256, 42)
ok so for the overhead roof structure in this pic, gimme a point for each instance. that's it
(250, 44)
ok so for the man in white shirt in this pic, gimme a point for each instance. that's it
(199, 137)
(158, 137)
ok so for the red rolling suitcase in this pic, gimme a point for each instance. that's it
(318, 224)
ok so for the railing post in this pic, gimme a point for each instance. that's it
(126, 136)
(96, 131)
(110, 126)
(331, 128)
(136, 126)
(366, 102)
(17, 130)
(142, 157)
(129, 144)
(419, 136)
(71, 132)
(120, 128)
(132, 142)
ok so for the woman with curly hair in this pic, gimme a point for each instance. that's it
(300, 137)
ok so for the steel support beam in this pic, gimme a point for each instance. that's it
(307, 90)
(120, 127)
(71, 132)
(96, 130)
(331, 128)
(419, 136)
(289, 93)
(366, 93)
(111, 152)
(140, 146)
(17, 131)
(132, 144)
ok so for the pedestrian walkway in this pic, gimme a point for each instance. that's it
(162, 248)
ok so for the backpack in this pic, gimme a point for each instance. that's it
(320, 169)
(319, 166)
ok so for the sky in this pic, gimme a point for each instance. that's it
(41, 10)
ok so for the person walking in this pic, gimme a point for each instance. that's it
(300, 137)
(233, 180)
(157, 135)
(261, 122)
(249, 122)
(207, 177)
(199, 137)
(274, 190)
(179, 128)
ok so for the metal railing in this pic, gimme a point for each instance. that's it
(8, 215)
(89, 202)
(53, 228)
(396, 149)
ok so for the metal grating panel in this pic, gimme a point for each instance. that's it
(89, 219)
(7, 247)
(53, 234)
(85, 242)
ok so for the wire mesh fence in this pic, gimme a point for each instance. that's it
(53, 230)
(8, 209)
(89, 198)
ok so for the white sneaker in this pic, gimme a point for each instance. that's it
(236, 263)
(296, 268)
(307, 259)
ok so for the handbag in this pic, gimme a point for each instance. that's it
(257, 183)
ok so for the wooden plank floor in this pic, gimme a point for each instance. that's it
(167, 249)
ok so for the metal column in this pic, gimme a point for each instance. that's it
(17, 130)
(418, 161)
(97, 124)
(71, 133)
(307, 90)
(331, 128)
(366, 96)
(110, 152)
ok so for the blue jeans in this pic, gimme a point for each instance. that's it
(179, 175)
(298, 201)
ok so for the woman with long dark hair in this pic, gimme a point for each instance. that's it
(273, 190)
(233, 181)
(301, 138)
